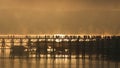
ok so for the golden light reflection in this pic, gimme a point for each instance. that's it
(58, 40)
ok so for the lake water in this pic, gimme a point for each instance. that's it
(6, 62)
(56, 63)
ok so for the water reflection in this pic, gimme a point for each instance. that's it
(57, 63)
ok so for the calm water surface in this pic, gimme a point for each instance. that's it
(6, 62)
(56, 63)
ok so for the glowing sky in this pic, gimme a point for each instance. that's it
(60, 16)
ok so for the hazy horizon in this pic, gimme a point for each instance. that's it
(60, 16)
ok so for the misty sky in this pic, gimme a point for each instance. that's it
(60, 16)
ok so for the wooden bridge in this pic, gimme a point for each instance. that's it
(61, 46)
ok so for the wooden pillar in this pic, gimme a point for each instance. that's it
(53, 53)
(70, 46)
(21, 41)
(38, 48)
(3, 48)
(77, 47)
(45, 46)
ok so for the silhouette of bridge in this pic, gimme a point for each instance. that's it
(60, 46)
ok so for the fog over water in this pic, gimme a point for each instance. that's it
(60, 16)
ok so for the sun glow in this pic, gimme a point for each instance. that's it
(61, 35)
